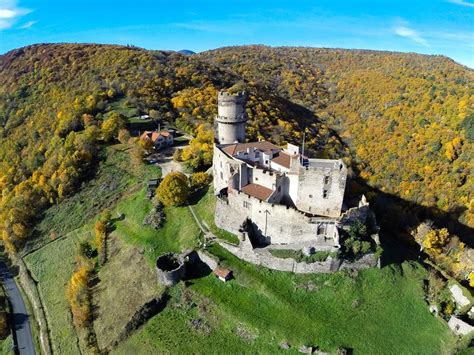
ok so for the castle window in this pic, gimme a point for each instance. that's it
(325, 193)
(321, 229)
(247, 205)
(222, 176)
(310, 196)
(326, 180)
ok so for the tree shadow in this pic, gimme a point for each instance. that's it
(397, 217)
(196, 196)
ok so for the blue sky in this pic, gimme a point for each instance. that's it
(431, 27)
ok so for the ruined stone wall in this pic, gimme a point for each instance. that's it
(170, 276)
(264, 258)
(321, 187)
(211, 261)
(283, 225)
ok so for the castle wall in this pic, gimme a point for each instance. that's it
(321, 187)
(264, 178)
(283, 225)
(264, 258)
(223, 169)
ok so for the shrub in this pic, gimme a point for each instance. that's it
(86, 250)
(199, 180)
(79, 297)
(178, 155)
(4, 329)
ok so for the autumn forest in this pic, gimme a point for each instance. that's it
(404, 123)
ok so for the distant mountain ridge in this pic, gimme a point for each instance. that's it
(186, 52)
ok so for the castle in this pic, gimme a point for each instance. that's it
(278, 197)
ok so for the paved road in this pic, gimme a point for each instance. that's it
(20, 315)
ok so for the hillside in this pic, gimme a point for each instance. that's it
(59, 105)
(408, 118)
(67, 163)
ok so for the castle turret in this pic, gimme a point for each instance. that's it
(231, 117)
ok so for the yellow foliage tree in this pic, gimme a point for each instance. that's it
(78, 295)
(111, 126)
(173, 190)
(198, 155)
(435, 240)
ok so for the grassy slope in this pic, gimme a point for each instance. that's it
(113, 177)
(6, 346)
(205, 207)
(114, 305)
(379, 311)
(52, 267)
(53, 264)
(179, 231)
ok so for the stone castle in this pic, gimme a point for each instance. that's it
(279, 197)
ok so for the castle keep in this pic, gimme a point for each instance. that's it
(275, 196)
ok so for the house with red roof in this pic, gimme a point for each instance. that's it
(159, 139)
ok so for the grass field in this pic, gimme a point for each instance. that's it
(372, 312)
(52, 267)
(375, 312)
(179, 231)
(127, 282)
(6, 346)
(113, 178)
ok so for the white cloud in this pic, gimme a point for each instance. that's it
(404, 31)
(462, 3)
(27, 25)
(10, 12)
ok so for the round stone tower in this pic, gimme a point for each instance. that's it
(231, 117)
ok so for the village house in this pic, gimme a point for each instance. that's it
(160, 139)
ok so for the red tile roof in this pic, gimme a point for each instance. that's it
(282, 159)
(221, 272)
(264, 146)
(153, 135)
(258, 191)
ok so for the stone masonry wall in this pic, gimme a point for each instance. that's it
(283, 225)
(315, 181)
(264, 258)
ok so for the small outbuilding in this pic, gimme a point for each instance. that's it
(152, 186)
(223, 274)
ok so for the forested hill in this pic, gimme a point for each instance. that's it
(407, 118)
(60, 104)
(403, 122)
